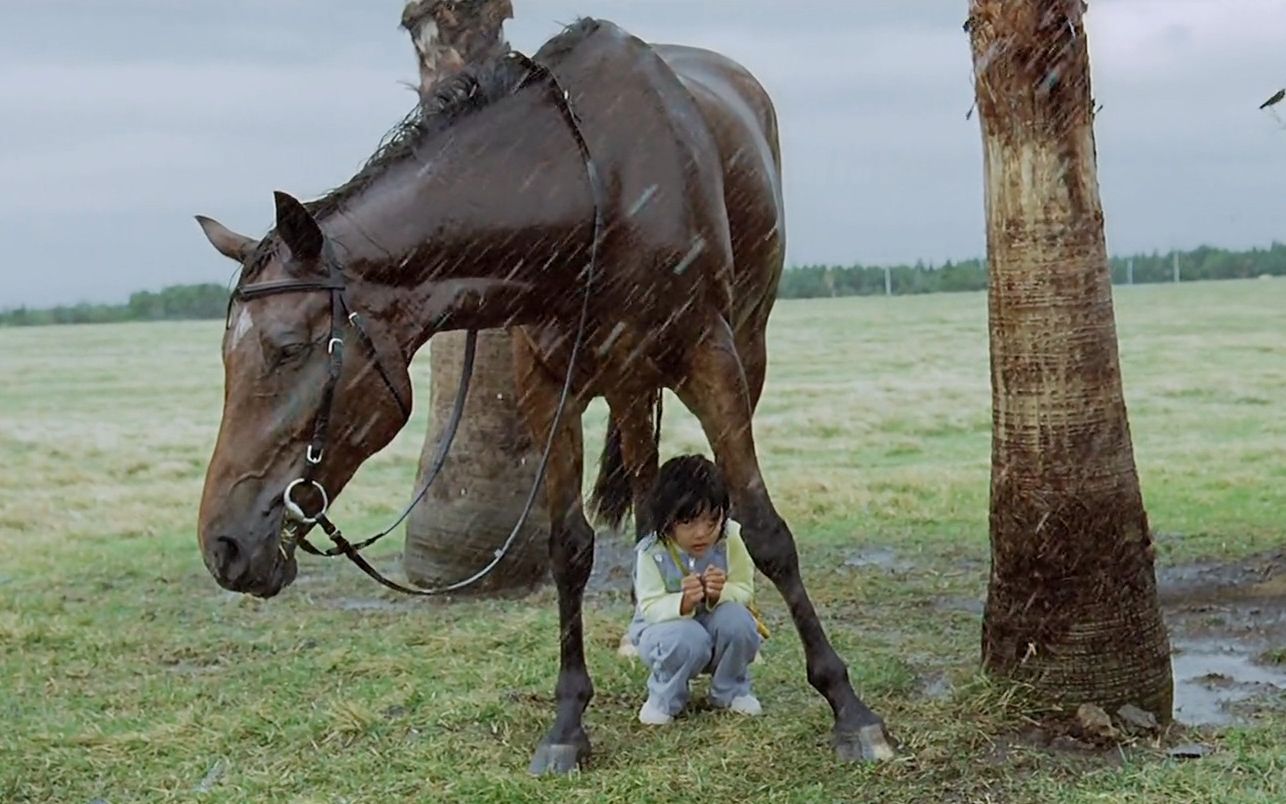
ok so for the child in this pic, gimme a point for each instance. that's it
(693, 580)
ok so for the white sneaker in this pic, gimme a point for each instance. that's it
(626, 649)
(746, 705)
(652, 715)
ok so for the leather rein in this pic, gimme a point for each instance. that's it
(342, 313)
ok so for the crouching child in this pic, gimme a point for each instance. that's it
(694, 583)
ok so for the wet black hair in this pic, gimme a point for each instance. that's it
(687, 487)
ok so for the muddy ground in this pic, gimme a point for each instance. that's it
(1228, 631)
(1227, 626)
(1227, 623)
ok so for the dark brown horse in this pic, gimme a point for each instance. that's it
(479, 214)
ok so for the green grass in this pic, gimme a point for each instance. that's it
(129, 676)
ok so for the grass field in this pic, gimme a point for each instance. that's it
(127, 675)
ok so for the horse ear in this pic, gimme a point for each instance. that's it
(297, 228)
(225, 241)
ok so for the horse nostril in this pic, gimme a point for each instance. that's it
(226, 553)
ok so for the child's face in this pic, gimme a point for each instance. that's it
(698, 535)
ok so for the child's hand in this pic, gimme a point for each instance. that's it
(693, 593)
(715, 578)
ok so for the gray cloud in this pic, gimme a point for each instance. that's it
(124, 119)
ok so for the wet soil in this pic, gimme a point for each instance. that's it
(613, 564)
(1227, 626)
(1228, 632)
(1227, 622)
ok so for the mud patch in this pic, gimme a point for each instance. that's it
(1007, 750)
(372, 604)
(882, 558)
(1227, 625)
(613, 564)
(1223, 619)
(1204, 580)
(934, 686)
(968, 605)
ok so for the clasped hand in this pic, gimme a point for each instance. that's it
(707, 586)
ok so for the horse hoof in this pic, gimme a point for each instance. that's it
(867, 744)
(559, 758)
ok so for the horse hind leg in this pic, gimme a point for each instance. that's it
(629, 462)
(639, 451)
(566, 745)
(752, 350)
(714, 388)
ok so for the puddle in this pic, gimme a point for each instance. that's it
(935, 686)
(369, 604)
(1221, 619)
(1211, 679)
(1183, 583)
(969, 605)
(613, 563)
(884, 558)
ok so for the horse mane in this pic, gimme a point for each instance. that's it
(474, 88)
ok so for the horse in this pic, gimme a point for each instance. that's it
(620, 203)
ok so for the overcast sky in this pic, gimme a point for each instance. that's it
(120, 120)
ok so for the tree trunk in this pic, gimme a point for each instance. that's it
(479, 496)
(1072, 606)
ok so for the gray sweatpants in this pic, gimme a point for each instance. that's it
(723, 642)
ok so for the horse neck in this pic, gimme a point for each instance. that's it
(489, 231)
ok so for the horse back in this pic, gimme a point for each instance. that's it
(742, 118)
(686, 142)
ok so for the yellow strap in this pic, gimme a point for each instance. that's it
(759, 621)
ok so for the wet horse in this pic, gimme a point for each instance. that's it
(653, 262)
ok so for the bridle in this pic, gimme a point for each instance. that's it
(344, 315)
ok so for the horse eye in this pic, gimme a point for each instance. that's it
(289, 353)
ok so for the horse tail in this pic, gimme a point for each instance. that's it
(613, 495)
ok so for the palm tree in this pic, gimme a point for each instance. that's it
(1071, 606)
(484, 483)
(479, 496)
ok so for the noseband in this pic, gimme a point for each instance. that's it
(342, 314)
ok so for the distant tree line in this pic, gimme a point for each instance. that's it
(822, 281)
(174, 303)
(803, 282)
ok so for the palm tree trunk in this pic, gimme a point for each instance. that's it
(1072, 606)
(479, 496)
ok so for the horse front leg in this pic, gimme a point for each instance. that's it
(714, 389)
(571, 550)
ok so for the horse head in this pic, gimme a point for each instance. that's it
(312, 388)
